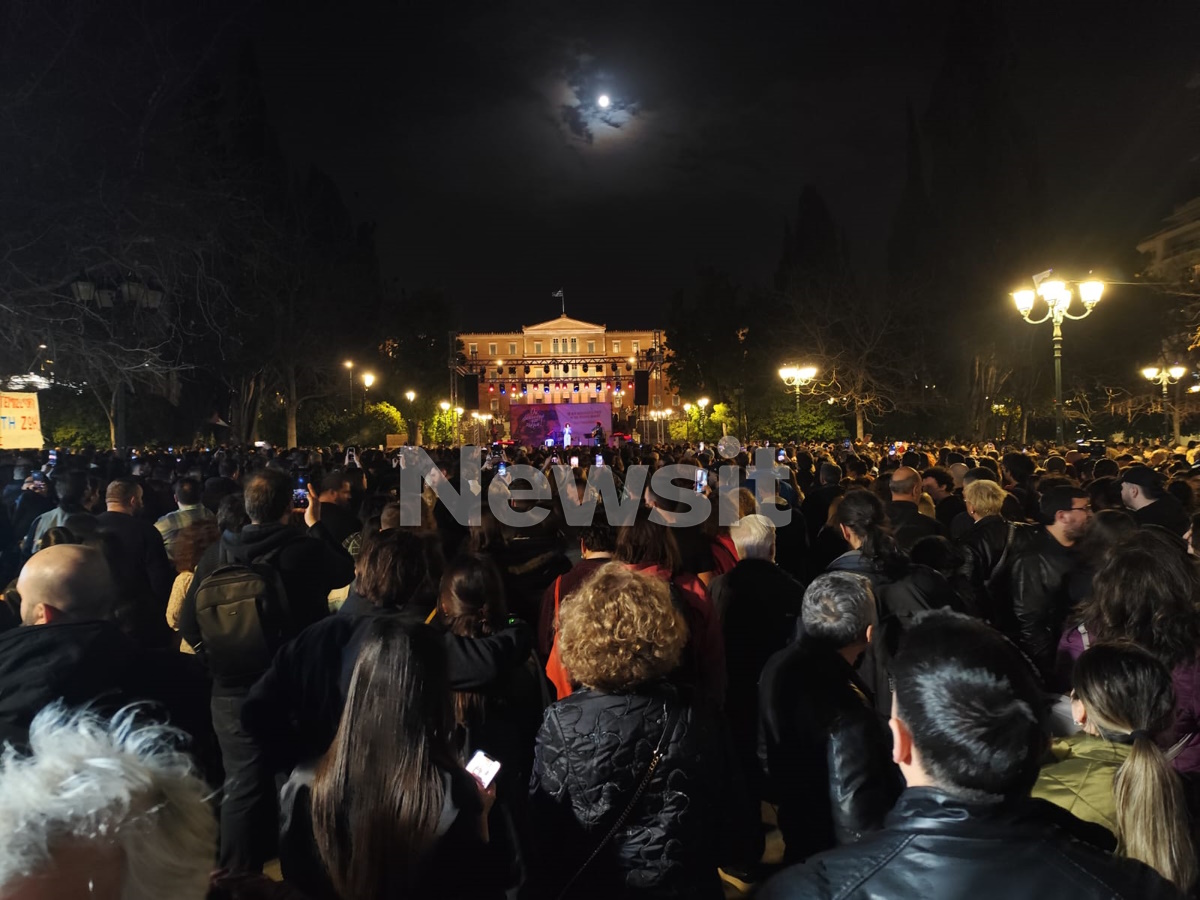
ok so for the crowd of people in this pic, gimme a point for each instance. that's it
(956, 671)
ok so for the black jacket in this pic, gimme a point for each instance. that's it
(96, 664)
(934, 847)
(986, 564)
(815, 507)
(902, 591)
(143, 575)
(310, 565)
(1166, 512)
(593, 750)
(828, 751)
(758, 604)
(908, 525)
(1040, 599)
(293, 710)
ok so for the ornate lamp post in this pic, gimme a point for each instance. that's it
(349, 364)
(1058, 297)
(703, 404)
(797, 378)
(1165, 376)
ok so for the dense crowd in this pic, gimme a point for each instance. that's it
(955, 670)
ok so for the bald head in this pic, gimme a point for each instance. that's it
(66, 581)
(906, 484)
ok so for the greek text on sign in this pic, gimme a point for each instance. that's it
(20, 421)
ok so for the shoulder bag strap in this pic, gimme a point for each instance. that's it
(1083, 633)
(664, 739)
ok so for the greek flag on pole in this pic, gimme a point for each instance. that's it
(557, 293)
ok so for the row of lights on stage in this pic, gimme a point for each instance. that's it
(558, 386)
(512, 370)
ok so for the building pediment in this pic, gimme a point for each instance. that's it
(561, 325)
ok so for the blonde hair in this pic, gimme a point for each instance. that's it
(1129, 698)
(620, 629)
(985, 497)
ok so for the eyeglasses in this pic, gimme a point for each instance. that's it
(1085, 508)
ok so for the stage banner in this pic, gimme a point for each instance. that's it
(20, 423)
(532, 424)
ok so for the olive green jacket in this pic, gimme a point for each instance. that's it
(1080, 778)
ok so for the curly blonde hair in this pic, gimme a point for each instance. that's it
(620, 629)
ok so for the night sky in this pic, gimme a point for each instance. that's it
(470, 133)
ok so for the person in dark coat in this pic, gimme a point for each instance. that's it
(759, 606)
(140, 565)
(309, 565)
(908, 525)
(902, 590)
(938, 483)
(597, 545)
(969, 729)
(828, 752)
(70, 649)
(1143, 493)
(594, 752)
(815, 506)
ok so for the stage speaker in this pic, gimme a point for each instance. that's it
(471, 391)
(641, 387)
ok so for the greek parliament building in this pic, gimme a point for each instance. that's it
(564, 362)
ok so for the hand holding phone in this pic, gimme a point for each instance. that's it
(574, 462)
(484, 768)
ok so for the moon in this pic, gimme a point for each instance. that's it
(603, 101)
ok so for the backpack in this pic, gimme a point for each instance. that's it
(241, 611)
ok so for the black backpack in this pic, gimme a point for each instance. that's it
(241, 611)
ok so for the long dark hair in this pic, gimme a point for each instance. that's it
(863, 514)
(378, 793)
(1146, 592)
(1129, 699)
(471, 604)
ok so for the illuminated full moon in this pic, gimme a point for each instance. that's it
(603, 101)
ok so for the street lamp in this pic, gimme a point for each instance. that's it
(1058, 298)
(349, 364)
(703, 404)
(410, 396)
(1166, 375)
(796, 378)
(368, 380)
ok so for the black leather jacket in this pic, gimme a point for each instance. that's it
(908, 525)
(987, 566)
(828, 751)
(934, 847)
(1040, 598)
(592, 752)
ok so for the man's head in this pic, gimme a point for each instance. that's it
(1141, 486)
(1066, 511)
(268, 497)
(983, 498)
(906, 484)
(65, 582)
(335, 488)
(958, 471)
(187, 492)
(102, 811)
(598, 536)
(967, 714)
(1018, 467)
(938, 483)
(839, 610)
(124, 495)
(831, 473)
(754, 537)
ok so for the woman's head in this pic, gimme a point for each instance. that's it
(471, 598)
(861, 514)
(1146, 592)
(648, 543)
(377, 794)
(1107, 531)
(620, 629)
(1123, 694)
(395, 567)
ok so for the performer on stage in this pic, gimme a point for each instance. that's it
(598, 434)
(567, 435)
